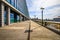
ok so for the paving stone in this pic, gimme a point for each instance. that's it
(16, 31)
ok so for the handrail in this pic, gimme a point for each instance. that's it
(52, 22)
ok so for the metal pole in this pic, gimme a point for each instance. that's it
(42, 17)
(42, 14)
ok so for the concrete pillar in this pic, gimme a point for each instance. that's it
(8, 16)
(20, 17)
(24, 18)
(15, 17)
(1, 14)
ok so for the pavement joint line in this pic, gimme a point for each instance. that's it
(41, 33)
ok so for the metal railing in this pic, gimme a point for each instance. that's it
(54, 26)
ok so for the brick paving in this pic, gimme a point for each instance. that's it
(16, 31)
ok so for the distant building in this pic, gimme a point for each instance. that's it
(57, 19)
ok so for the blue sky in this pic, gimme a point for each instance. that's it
(52, 8)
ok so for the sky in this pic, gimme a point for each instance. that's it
(52, 8)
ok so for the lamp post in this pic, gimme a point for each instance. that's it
(42, 14)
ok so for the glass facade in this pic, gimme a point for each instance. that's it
(12, 20)
(5, 17)
(11, 16)
(20, 5)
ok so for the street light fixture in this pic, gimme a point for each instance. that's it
(42, 14)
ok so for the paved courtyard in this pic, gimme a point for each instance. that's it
(16, 31)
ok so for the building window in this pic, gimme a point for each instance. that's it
(9, 1)
(11, 18)
(13, 2)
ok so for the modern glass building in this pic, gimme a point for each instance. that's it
(13, 11)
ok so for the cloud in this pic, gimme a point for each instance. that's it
(52, 13)
(52, 8)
